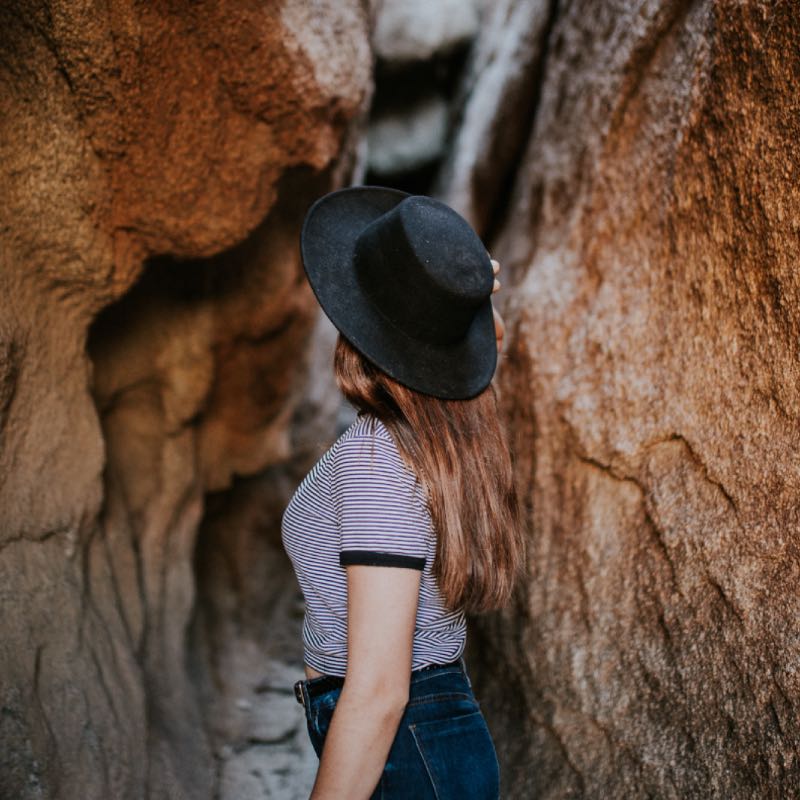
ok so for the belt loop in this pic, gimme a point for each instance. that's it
(301, 693)
(463, 664)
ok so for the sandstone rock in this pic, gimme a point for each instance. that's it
(161, 157)
(247, 632)
(499, 97)
(415, 30)
(160, 392)
(406, 139)
(649, 251)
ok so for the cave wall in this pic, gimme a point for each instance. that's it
(649, 247)
(155, 163)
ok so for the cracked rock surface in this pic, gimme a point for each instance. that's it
(649, 251)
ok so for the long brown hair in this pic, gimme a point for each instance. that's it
(459, 453)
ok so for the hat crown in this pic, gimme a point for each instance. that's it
(424, 269)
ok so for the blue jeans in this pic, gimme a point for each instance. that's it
(442, 750)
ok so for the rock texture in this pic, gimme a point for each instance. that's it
(417, 30)
(651, 381)
(405, 139)
(155, 163)
(419, 56)
(499, 96)
(635, 168)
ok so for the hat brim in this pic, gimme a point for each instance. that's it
(454, 371)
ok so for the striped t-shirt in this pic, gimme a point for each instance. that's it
(361, 504)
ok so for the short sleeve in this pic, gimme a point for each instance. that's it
(380, 520)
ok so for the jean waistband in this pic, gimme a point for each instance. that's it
(312, 687)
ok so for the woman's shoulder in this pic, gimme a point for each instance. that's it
(368, 462)
(367, 441)
(366, 427)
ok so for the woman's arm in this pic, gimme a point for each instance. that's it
(381, 612)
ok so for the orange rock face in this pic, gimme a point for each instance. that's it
(164, 155)
(653, 302)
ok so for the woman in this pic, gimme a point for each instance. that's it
(410, 518)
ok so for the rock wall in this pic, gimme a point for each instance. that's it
(649, 247)
(155, 163)
(633, 165)
(419, 49)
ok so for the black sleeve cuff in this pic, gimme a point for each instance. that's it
(371, 558)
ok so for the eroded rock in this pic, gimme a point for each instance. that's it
(649, 252)
(405, 140)
(416, 30)
(160, 157)
(156, 337)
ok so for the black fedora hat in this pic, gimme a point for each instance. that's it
(407, 282)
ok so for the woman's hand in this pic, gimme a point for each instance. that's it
(499, 325)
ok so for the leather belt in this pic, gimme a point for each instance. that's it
(317, 686)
